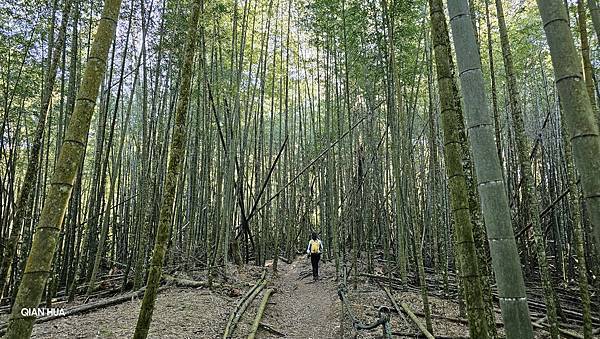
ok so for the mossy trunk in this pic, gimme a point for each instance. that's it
(44, 242)
(494, 202)
(176, 158)
(454, 139)
(21, 210)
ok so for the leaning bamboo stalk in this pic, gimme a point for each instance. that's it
(39, 262)
(530, 199)
(490, 181)
(460, 185)
(595, 13)
(577, 111)
(259, 313)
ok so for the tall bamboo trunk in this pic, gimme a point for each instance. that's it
(588, 70)
(21, 210)
(46, 235)
(582, 126)
(595, 12)
(574, 207)
(530, 199)
(454, 139)
(494, 202)
(176, 159)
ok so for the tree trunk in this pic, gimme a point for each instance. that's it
(494, 202)
(530, 199)
(577, 110)
(588, 70)
(595, 12)
(45, 238)
(454, 138)
(176, 158)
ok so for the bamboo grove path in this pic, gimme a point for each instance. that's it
(302, 308)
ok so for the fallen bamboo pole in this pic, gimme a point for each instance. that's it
(271, 329)
(563, 332)
(259, 313)
(414, 318)
(240, 308)
(408, 311)
(417, 335)
(394, 303)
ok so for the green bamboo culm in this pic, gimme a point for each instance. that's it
(174, 168)
(21, 210)
(574, 206)
(530, 207)
(494, 202)
(577, 111)
(454, 138)
(43, 246)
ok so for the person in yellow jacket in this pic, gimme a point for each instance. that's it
(314, 250)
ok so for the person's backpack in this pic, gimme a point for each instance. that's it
(315, 246)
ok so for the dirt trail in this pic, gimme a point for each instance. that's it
(302, 308)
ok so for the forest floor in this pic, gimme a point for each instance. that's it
(300, 308)
(178, 313)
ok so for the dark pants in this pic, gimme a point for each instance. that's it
(314, 260)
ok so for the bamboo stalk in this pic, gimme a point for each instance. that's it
(241, 307)
(259, 313)
(414, 318)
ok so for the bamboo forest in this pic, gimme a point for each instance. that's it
(304, 169)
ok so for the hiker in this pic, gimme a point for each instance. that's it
(314, 249)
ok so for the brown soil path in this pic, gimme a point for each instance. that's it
(302, 308)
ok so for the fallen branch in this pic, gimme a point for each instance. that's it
(417, 335)
(271, 329)
(406, 334)
(259, 313)
(383, 278)
(451, 319)
(285, 260)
